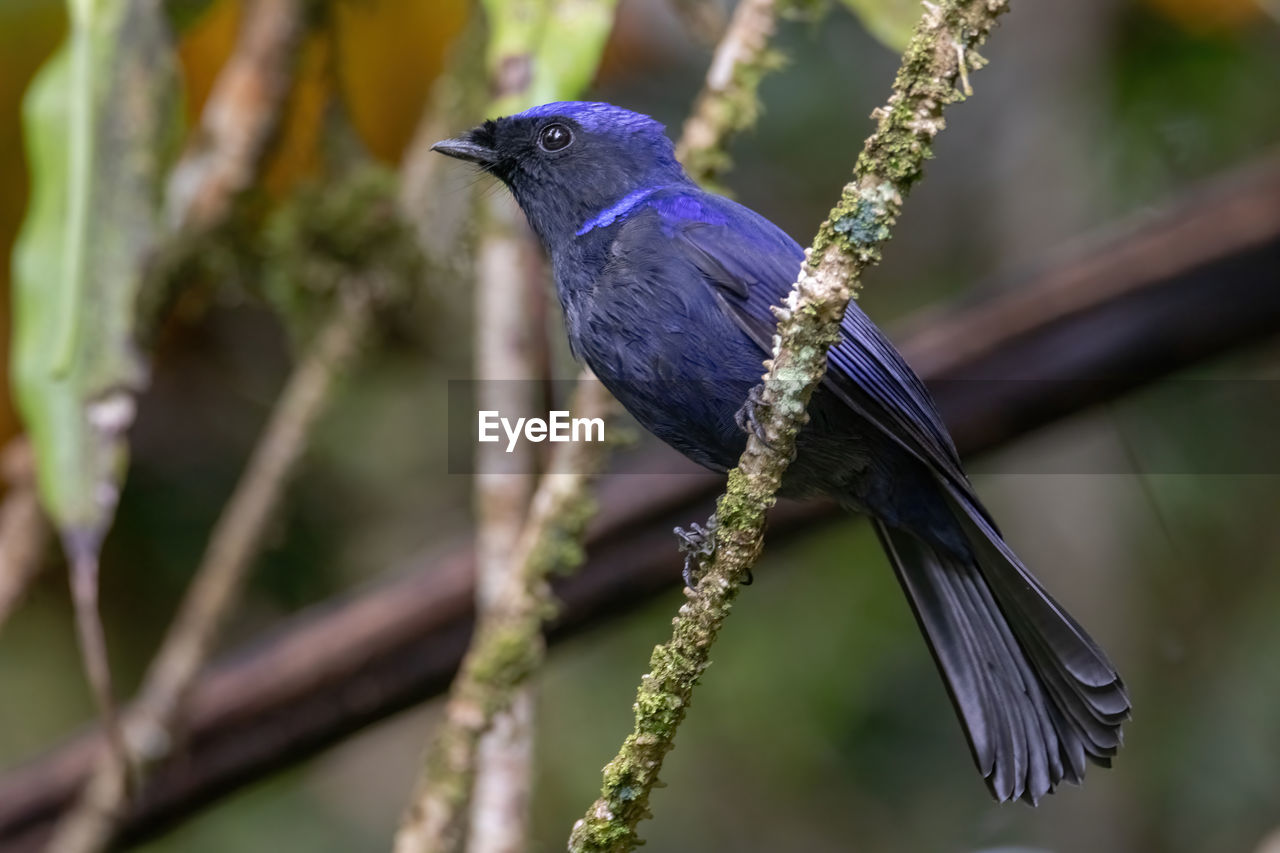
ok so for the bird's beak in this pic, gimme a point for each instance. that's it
(465, 148)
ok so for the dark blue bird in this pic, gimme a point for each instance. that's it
(666, 291)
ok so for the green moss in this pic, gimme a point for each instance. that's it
(505, 654)
(328, 236)
(729, 112)
(560, 551)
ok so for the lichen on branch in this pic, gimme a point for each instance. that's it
(933, 74)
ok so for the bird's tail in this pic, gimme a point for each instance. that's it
(1035, 694)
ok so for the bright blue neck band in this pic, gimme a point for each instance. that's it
(617, 210)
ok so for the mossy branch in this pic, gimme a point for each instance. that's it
(933, 74)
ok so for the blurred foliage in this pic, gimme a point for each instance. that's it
(1208, 15)
(29, 30)
(822, 725)
(326, 236)
(537, 52)
(889, 21)
(109, 97)
(1187, 102)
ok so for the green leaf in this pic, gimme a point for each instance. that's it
(544, 50)
(890, 22)
(99, 121)
(568, 55)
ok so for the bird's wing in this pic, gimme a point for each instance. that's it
(751, 264)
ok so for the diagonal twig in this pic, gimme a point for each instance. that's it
(151, 723)
(241, 118)
(808, 324)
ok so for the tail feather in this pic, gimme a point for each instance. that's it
(1036, 696)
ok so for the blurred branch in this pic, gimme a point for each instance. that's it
(439, 215)
(239, 122)
(475, 784)
(490, 767)
(152, 721)
(24, 530)
(705, 19)
(1138, 302)
(480, 760)
(808, 324)
(1155, 274)
(509, 644)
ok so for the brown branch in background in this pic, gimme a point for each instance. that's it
(240, 120)
(153, 720)
(329, 672)
(24, 530)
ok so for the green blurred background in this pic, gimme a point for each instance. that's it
(822, 725)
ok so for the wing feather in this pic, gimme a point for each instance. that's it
(751, 265)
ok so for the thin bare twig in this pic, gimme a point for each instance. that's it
(808, 324)
(241, 118)
(151, 722)
(24, 530)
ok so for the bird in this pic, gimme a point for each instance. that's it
(666, 290)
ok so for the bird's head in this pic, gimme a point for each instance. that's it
(570, 163)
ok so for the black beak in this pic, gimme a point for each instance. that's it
(465, 148)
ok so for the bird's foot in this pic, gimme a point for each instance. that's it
(698, 544)
(748, 420)
(747, 417)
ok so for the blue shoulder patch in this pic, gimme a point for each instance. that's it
(683, 208)
(676, 209)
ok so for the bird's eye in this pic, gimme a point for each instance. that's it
(554, 137)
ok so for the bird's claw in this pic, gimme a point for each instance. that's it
(697, 544)
(747, 418)
(748, 421)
